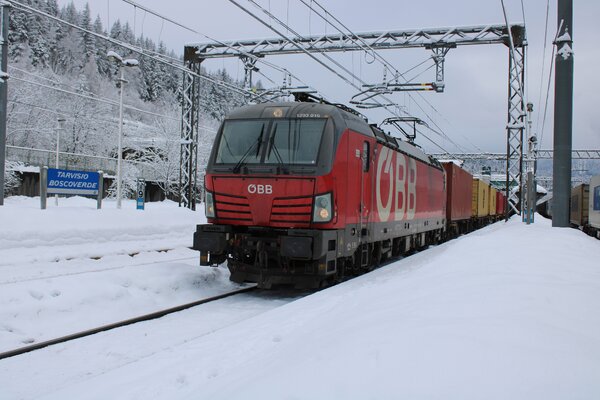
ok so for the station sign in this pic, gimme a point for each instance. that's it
(62, 181)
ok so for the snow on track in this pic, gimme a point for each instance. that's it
(69, 363)
(507, 312)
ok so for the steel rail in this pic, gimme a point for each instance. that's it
(135, 320)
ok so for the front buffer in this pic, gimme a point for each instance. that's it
(304, 258)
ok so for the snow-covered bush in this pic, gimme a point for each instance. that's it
(12, 177)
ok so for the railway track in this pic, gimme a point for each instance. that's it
(130, 321)
(91, 271)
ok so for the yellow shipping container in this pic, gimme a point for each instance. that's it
(481, 193)
(492, 201)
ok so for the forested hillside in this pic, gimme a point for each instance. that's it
(59, 71)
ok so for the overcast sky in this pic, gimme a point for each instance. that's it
(473, 108)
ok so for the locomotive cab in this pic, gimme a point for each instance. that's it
(301, 193)
(269, 196)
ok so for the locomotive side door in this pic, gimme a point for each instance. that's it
(365, 189)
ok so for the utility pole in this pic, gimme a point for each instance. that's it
(563, 115)
(530, 198)
(4, 9)
(59, 129)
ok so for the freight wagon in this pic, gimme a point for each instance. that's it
(459, 198)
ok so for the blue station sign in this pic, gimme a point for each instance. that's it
(62, 181)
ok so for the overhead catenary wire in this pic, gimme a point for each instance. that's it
(393, 112)
(364, 46)
(98, 99)
(549, 82)
(367, 48)
(250, 55)
(376, 56)
(79, 90)
(68, 114)
(301, 48)
(543, 65)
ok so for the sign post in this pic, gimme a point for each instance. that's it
(141, 194)
(100, 189)
(43, 187)
(62, 181)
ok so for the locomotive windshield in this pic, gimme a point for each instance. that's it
(240, 139)
(281, 142)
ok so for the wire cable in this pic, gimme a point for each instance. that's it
(355, 38)
(164, 59)
(301, 48)
(537, 125)
(250, 55)
(368, 49)
(97, 99)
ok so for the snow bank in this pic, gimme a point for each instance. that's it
(77, 229)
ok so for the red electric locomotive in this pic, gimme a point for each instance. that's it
(305, 193)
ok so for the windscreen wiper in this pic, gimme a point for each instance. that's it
(256, 145)
(273, 147)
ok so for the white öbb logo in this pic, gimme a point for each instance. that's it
(399, 182)
(260, 189)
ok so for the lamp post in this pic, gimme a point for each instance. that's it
(121, 63)
(59, 128)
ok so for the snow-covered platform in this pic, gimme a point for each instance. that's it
(507, 312)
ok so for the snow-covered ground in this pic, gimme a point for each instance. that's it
(508, 312)
(73, 267)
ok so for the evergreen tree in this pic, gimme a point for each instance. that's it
(70, 14)
(116, 31)
(38, 37)
(55, 35)
(18, 34)
(102, 63)
(88, 41)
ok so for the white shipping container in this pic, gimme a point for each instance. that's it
(594, 204)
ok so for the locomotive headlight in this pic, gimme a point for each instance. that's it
(322, 211)
(209, 205)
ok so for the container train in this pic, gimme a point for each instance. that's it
(585, 207)
(307, 193)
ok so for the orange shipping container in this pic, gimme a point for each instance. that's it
(500, 199)
(458, 189)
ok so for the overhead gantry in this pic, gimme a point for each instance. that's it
(438, 40)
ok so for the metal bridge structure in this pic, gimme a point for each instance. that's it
(475, 162)
(539, 155)
(437, 40)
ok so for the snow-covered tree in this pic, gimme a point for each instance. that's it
(54, 54)
(12, 178)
